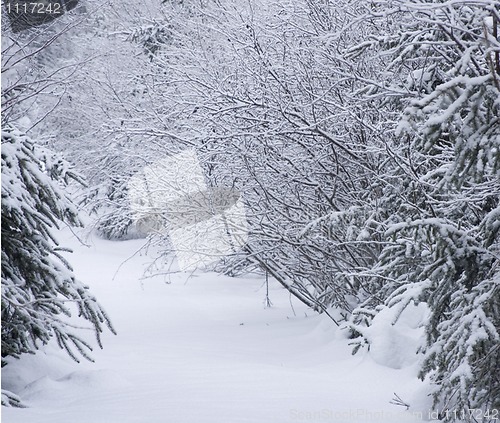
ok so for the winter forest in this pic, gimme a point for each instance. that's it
(251, 211)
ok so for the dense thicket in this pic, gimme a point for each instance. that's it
(364, 137)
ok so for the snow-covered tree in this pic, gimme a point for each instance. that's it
(39, 290)
(38, 286)
(441, 194)
(255, 89)
(112, 120)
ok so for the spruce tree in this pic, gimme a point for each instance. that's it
(39, 289)
(442, 192)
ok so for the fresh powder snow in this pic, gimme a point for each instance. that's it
(201, 348)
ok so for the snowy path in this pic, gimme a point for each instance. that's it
(203, 351)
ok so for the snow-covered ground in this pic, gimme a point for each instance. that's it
(204, 349)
